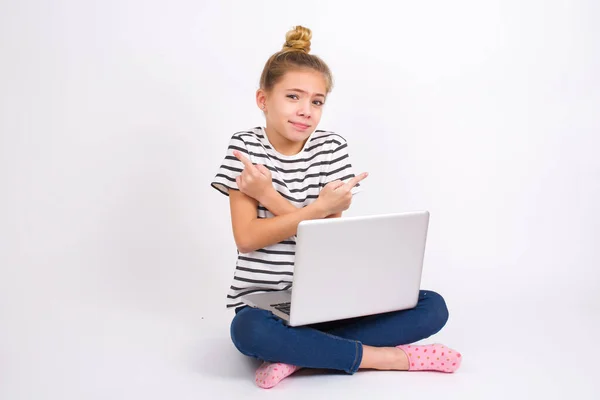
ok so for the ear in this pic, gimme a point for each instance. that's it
(261, 99)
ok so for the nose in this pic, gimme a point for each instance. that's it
(304, 109)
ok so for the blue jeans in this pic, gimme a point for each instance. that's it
(334, 345)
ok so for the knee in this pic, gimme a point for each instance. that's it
(247, 329)
(438, 311)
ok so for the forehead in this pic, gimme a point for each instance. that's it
(308, 81)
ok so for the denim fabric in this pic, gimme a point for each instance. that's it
(334, 345)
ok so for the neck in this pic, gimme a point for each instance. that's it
(282, 144)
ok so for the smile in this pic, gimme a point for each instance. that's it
(300, 126)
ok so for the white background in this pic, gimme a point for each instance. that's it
(115, 115)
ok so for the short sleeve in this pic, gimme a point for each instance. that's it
(231, 167)
(340, 166)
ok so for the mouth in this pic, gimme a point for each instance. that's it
(300, 126)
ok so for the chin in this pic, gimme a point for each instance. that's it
(299, 137)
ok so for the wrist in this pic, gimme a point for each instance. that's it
(267, 196)
(318, 210)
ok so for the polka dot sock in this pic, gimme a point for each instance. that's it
(433, 357)
(270, 374)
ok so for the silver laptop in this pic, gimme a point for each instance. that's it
(351, 267)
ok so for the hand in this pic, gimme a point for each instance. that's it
(255, 180)
(336, 196)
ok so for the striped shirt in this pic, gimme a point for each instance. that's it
(299, 179)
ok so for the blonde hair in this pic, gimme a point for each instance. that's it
(294, 56)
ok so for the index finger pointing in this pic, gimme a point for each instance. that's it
(242, 158)
(354, 181)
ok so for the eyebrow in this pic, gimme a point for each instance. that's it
(303, 91)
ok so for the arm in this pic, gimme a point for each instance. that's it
(278, 205)
(336, 215)
(251, 233)
(256, 182)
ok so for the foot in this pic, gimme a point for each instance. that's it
(433, 357)
(270, 374)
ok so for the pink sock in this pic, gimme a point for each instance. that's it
(270, 374)
(432, 357)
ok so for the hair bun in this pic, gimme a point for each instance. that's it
(297, 39)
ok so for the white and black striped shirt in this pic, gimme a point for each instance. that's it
(299, 179)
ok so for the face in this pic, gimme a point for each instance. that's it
(293, 107)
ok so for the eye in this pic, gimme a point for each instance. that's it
(292, 96)
(318, 102)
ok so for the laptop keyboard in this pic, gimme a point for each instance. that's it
(283, 307)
